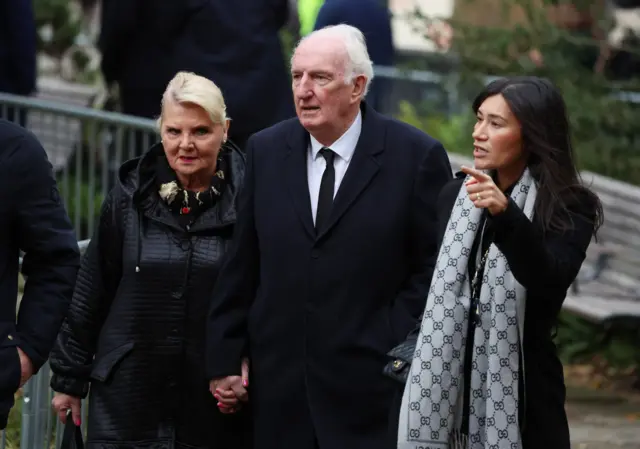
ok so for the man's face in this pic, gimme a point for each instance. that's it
(323, 99)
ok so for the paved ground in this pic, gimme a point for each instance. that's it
(601, 421)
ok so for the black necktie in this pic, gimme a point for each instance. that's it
(325, 197)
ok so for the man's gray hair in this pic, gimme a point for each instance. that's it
(358, 61)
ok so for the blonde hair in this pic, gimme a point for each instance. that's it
(187, 87)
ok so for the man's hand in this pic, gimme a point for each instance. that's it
(26, 367)
(231, 391)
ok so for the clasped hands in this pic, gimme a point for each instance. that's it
(483, 191)
(231, 391)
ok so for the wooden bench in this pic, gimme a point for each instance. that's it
(608, 286)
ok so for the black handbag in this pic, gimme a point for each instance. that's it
(72, 436)
(401, 356)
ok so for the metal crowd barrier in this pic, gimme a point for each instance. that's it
(85, 146)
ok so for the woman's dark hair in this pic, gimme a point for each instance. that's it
(546, 138)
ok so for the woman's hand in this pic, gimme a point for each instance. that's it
(61, 403)
(231, 391)
(484, 193)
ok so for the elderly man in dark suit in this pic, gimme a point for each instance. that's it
(331, 260)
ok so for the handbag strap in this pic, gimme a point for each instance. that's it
(72, 435)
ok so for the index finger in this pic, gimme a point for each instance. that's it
(480, 176)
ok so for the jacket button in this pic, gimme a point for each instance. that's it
(315, 253)
(176, 295)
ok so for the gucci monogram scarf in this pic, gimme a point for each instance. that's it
(431, 412)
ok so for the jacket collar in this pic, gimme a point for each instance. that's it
(362, 169)
(137, 180)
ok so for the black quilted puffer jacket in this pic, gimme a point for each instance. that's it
(135, 330)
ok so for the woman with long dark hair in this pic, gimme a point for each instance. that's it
(485, 373)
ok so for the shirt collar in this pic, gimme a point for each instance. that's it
(345, 145)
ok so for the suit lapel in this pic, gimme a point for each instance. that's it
(295, 165)
(363, 167)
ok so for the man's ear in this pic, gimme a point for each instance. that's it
(359, 84)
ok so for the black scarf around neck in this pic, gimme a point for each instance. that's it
(187, 205)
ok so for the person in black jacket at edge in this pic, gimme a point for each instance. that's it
(18, 55)
(32, 219)
(136, 325)
(515, 228)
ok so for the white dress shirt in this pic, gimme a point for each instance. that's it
(343, 148)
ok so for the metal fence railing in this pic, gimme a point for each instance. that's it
(440, 90)
(85, 146)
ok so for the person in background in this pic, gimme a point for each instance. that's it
(484, 371)
(136, 326)
(236, 44)
(33, 220)
(307, 14)
(373, 19)
(332, 257)
(18, 68)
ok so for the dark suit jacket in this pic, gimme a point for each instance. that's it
(236, 44)
(545, 264)
(373, 18)
(32, 219)
(317, 313)
(17, 47)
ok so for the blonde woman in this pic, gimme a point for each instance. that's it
(135, 329)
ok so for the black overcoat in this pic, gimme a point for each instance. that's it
(33, 220)
(317, 313)
(545, 264)
(135, 332)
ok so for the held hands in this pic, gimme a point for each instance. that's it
(231, 391)
(484, 193)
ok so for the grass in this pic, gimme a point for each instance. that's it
(13, 426)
